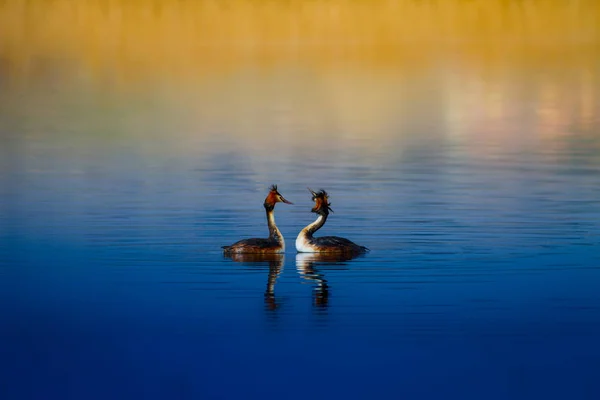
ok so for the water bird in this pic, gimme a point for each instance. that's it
(274, 243)
(306, 243)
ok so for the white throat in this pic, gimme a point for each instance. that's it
(303, 240)
(274, 231)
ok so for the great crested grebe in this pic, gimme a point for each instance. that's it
(306, 243)
(274, 243)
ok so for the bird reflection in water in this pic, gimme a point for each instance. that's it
(306, 265)
(275, 263)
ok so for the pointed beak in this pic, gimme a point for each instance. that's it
(311, 191)
(284, 200)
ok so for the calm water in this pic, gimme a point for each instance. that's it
(477, 190)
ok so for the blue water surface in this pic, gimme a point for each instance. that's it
(482, 216)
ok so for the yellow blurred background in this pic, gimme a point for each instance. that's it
(141, 38)
(356, 69)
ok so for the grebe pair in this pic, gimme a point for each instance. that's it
(305, 242)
